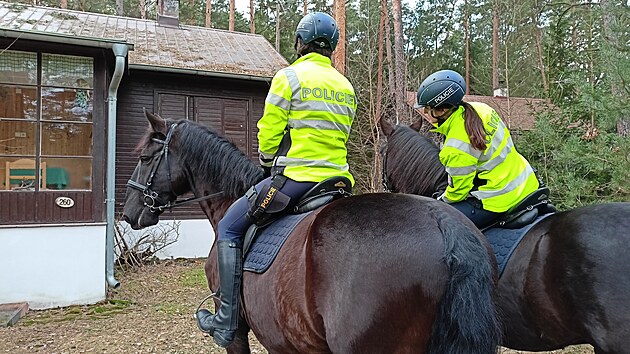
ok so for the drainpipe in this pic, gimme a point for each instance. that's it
(120, 51)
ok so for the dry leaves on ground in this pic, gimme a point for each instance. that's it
(150, 313)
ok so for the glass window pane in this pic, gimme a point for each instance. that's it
(67, 71)
(17, 138)
(18, 102)
(66, 104)
(18, 67)
(68, 173)
(66, 139)
(19, 174)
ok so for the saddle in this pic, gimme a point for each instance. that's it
(270, 204)
(525, 212)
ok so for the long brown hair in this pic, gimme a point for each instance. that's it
(474, 127)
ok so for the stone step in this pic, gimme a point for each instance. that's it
(11, 313)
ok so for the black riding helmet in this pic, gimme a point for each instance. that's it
(444, 88)
(318, 27)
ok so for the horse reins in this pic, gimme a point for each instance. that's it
(387, 187)
(151, 198)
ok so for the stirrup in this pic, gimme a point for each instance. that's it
(213, 295)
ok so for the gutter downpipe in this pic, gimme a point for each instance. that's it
(120, 51)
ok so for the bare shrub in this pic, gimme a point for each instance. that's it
(136, 248)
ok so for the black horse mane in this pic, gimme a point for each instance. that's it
(412, 163)
(211, 158)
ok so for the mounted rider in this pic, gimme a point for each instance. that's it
(302, 137)
(487, 176)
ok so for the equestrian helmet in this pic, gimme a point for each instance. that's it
(444, 88)
(318, 27)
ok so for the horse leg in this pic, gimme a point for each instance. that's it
(241, 339)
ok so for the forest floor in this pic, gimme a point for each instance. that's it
(150, 313)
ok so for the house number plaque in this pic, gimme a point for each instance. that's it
(64, 202)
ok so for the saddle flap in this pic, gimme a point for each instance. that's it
(266, 242)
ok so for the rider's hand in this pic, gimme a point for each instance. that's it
(266, 171)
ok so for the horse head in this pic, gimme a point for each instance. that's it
(177, 157)
(159, 176)
(411, 161)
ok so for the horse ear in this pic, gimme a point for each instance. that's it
(157, 123)
(388, 128)
(417, 125)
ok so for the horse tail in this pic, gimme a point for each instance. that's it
(467, 321)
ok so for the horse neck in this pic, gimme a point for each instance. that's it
(413, 165)
(227, 171)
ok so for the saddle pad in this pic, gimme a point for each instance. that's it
(268, 241)
(504, 241)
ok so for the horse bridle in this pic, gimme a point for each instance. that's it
(151, 199)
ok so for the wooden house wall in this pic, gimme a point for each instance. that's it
(231, 107)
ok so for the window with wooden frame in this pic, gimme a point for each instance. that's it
(46, 105)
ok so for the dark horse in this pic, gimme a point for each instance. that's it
(364, 274)
(567, 282)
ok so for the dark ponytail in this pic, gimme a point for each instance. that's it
(474, 127)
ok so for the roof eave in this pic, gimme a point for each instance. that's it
(62, 38)
(189, 71)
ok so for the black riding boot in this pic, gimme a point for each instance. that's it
(222, 325)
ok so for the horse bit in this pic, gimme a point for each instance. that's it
(151, 198)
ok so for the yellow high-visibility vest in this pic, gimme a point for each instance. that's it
(308, 113)
(506, 176)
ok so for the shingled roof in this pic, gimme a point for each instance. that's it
(519, 113)
(156, 47)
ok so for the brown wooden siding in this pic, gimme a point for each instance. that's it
(27, 207)
(230, 107)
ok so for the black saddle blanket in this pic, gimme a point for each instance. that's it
(504, 241)
(268, 241)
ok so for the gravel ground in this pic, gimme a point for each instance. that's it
(150, 313)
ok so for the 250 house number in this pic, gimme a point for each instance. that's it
(64, 202)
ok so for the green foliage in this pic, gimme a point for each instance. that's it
(578, 171)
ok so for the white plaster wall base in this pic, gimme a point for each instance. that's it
(52, 265)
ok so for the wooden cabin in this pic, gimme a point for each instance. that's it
(58, 104)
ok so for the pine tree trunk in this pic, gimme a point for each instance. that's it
(535, 17)
(391, 80)
(277, 25)
(305, 8)
(339, 55)
(495, 46)
(143, 9)
(232, 5)
(400, 88)
(120, 10)
(208, 13)
(63, 4)
(467, 40)
(191, 20)
(623, 123)
(252, 23)
(377, 187)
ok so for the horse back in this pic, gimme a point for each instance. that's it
(560, 278)
(362, 273)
